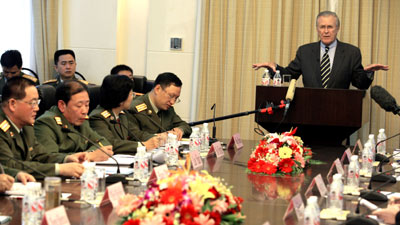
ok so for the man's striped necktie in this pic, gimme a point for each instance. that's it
(325, 68)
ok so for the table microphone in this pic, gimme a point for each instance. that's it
(23, 164)
(382, 158)
(112, 178)
(376, 196)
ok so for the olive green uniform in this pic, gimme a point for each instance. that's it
(117, 134)
(146, 123)
(49, 133)
(24, 147)
(3, 80)
(55, 82)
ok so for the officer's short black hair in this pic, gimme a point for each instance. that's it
(61, 52)
(114, 90)
(11, 58)
(65, 90)
(167, 79)
(116, 69)
(15, 88)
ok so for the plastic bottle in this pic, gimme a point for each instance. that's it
(336, 193)
(371, 139)
(89, 182)
(33, 204)
(381, 149)
(195, 140)
(266, 78)
(366, 165)
(311, 212)
(172, 152)
(277, 79)
(353, 174)
(205, 138)
(141, 167)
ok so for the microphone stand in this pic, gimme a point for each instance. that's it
(380, 157)
(377, 196)
(112, 178)
(214, 129)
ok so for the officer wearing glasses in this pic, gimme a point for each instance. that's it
(153, 113)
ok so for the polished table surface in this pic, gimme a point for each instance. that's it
(266, 198)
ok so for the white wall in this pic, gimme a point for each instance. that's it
(104, 33)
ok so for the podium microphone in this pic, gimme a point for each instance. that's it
(385, 100)
(24, 165)
(289, 95)
(113, 178)
(382, 158)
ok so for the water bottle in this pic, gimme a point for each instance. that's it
(195, 140)
(171, 150)
(141, 167)
(353, 174)
(336, 193)
(381, 146)
(366, 164)
(277, 79)
(265, 78)
(89, 182)
(371, 139)
(33, 204)
(311, 212)
(205, 138)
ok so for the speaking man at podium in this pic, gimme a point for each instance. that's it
(328, 63)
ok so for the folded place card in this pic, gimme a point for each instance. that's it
(112, 194)
(56, 216)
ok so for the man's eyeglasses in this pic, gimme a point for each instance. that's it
(33, 103)
(172, 97)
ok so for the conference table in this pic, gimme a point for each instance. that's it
(266, 198)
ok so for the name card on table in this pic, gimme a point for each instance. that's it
(216, 148)
(320, 186)
(195, 159)
(158, 173)
(359, 145)
(236, 142)
(339, 168)
(297, 204)
(56, 216)
(347, 153)
(113, 193)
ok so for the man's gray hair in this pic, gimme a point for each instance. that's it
(328, 13)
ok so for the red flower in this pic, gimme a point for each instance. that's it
(269, 168)
(187, 214)
(215, 192)
(258, 166)
(285, 165)
(215, 216)
(172, 195)
(132, 222)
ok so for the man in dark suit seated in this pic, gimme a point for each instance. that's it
(153, 113)
(17, 139)
(328, 63)
(11, 63)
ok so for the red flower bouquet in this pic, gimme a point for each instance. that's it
(279, 155)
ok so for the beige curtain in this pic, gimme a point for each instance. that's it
(236, 34)
(45, 29)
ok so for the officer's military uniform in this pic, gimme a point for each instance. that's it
(55, 82)
(3, 80)
(146, 123)
(117, 134)
(24, 147)
(48, 131)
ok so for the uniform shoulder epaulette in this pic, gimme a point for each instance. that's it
(122, 112)
(141, 107)
(29, 77)
(5, 125)
(138, 94)
(50, 81)
(105, 114)
(84, 82)
(86, 117)
(58, 120)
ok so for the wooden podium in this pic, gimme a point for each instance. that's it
(323, 116)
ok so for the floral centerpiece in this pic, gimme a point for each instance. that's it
(279, 154)
(184, 197)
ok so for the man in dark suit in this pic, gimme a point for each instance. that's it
(328, 63)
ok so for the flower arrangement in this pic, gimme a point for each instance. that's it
(184, 197)
(279, 155)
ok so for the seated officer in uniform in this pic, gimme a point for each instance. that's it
(122, 70)
(65, 66)
(18, 145)
(153, 113)
(110, 120)
(70, 112)
(11, 63)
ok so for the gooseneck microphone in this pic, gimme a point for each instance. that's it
(25, 165)
(382, 158)
(385, 100)
(382, 177)
(113, 178)
(126, 128)
(289, 95)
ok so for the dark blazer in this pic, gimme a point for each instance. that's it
(346, 68)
